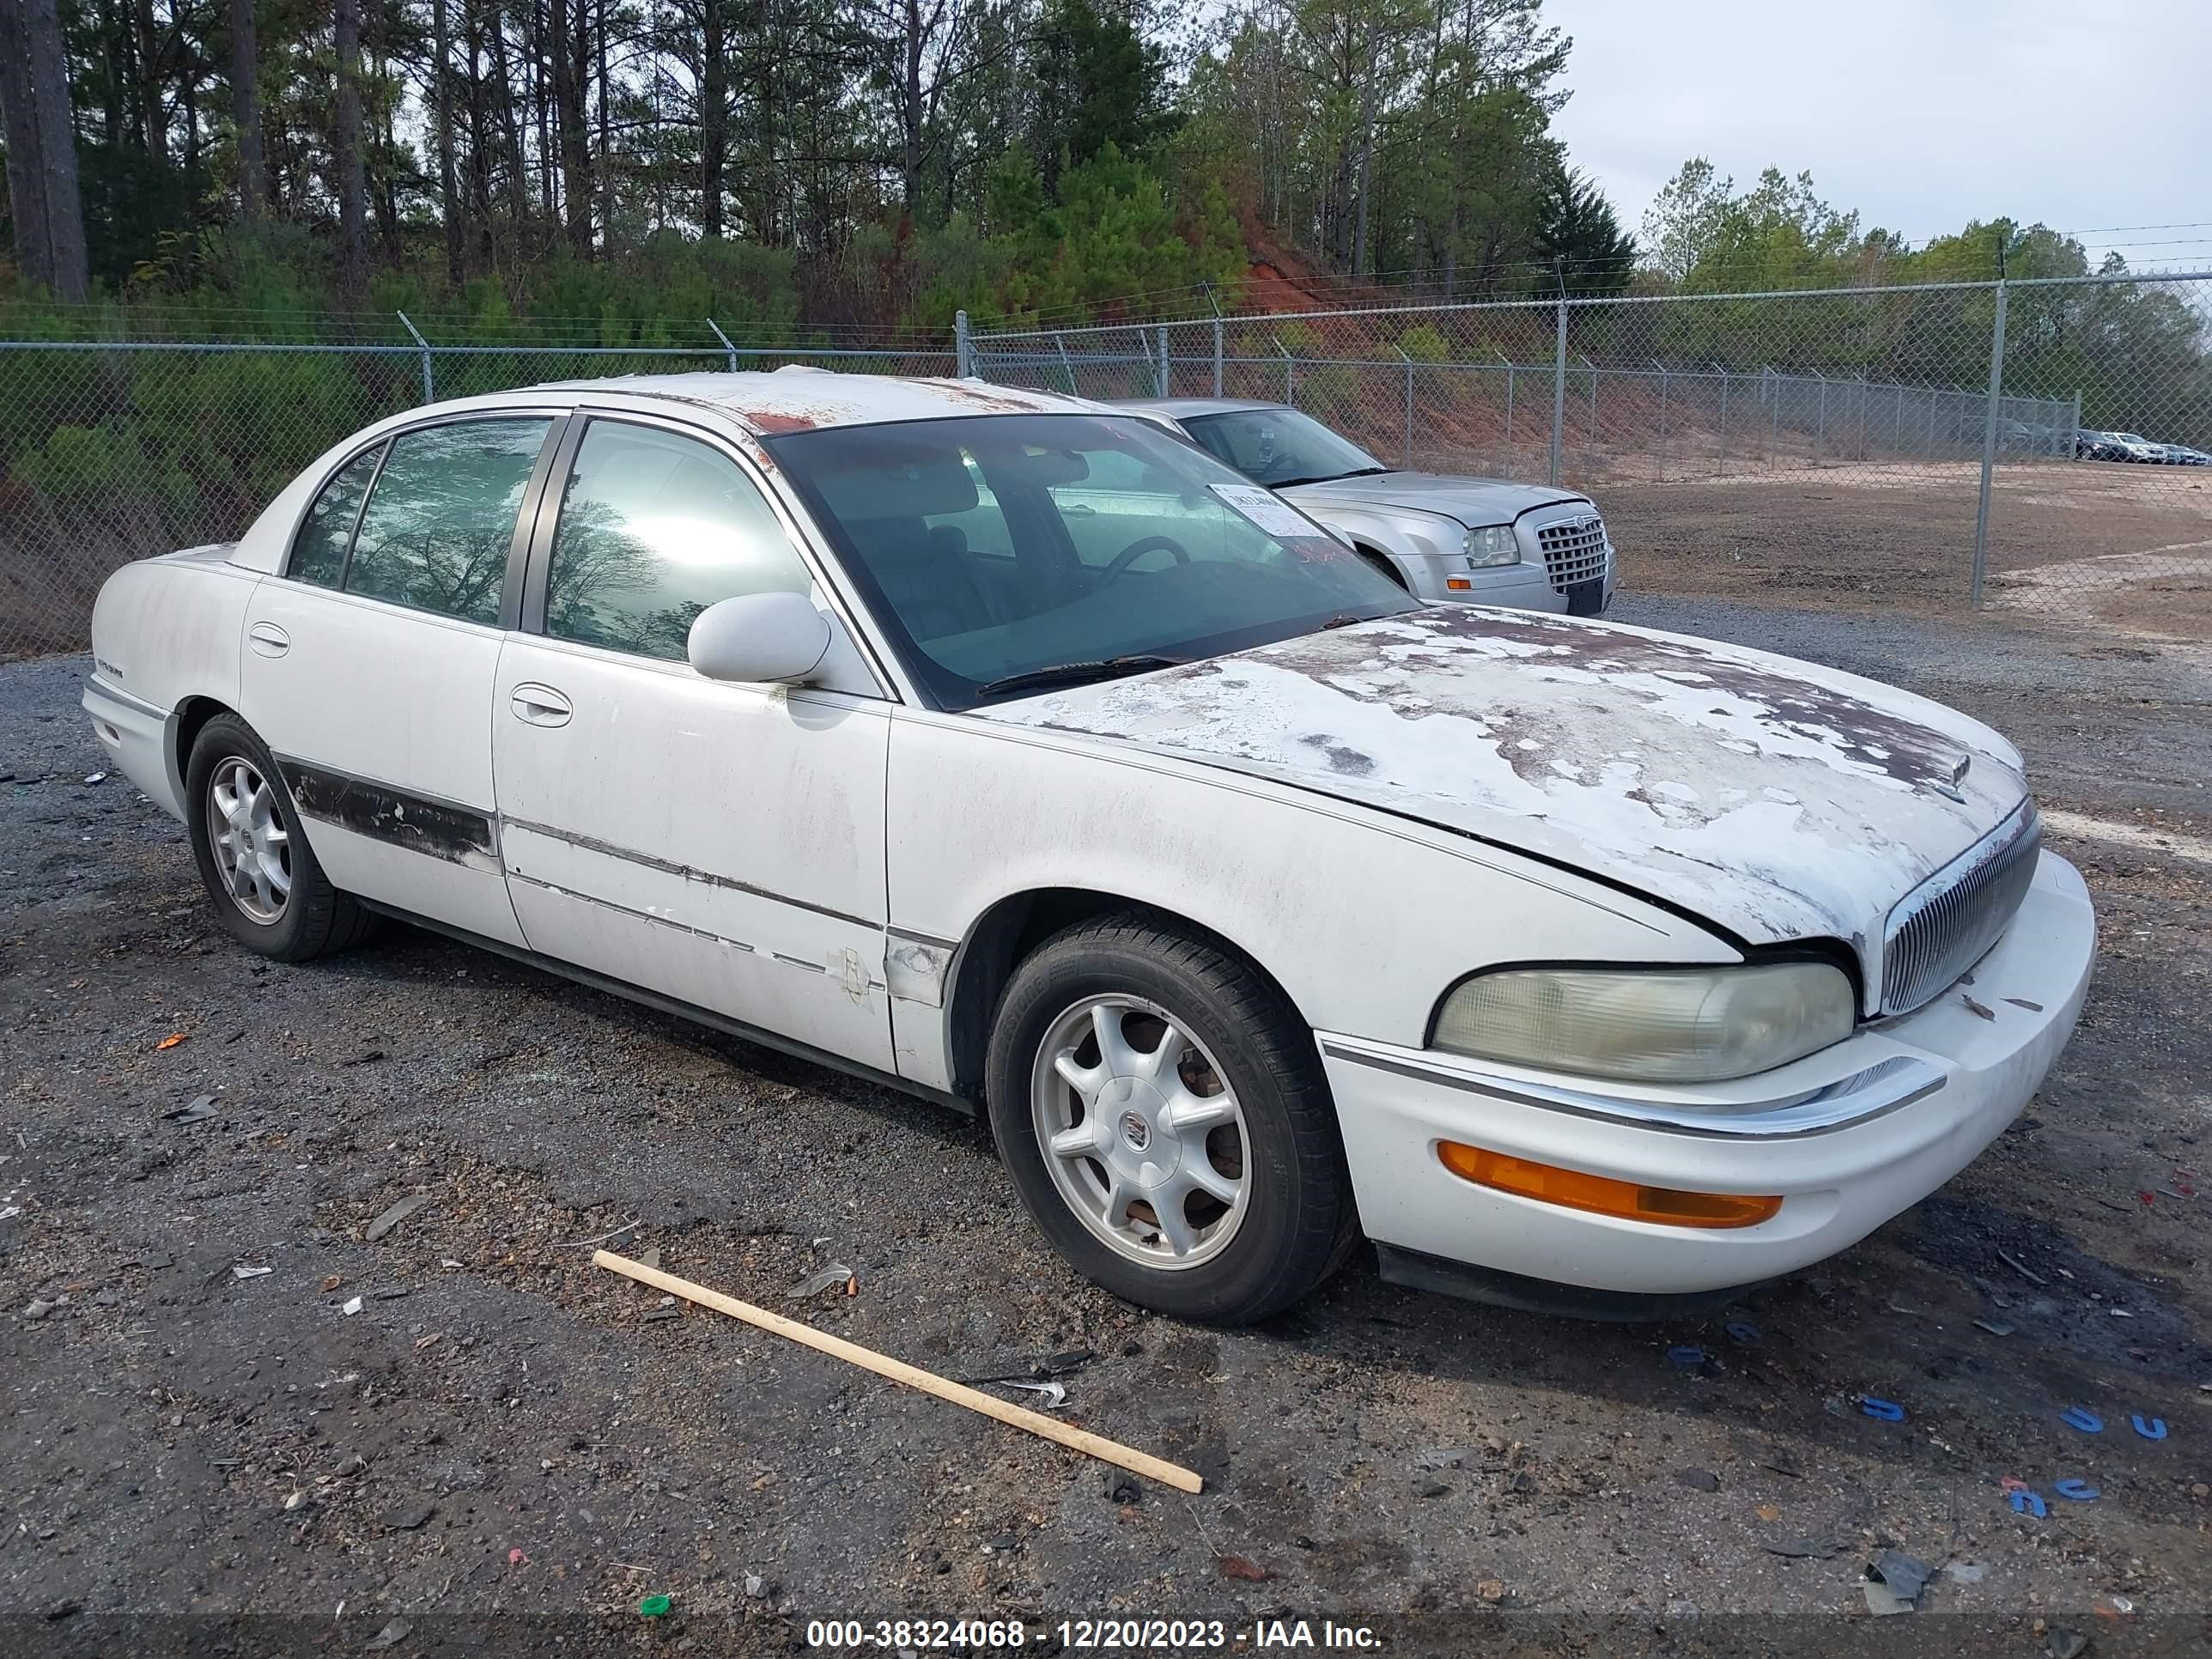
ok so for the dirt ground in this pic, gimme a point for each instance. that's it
(505, 1442)
(2071, 544)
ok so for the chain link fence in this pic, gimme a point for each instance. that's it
(112, 450)
(2035, 449)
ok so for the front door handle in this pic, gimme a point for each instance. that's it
(268, 640)
(540, 705)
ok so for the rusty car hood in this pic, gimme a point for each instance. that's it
(1777, 799)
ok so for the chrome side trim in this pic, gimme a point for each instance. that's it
(99, 686)
(1887, 1086)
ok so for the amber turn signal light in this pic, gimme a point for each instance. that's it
(1459, 584)
(1572, 1189)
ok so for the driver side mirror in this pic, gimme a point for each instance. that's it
(755, 637)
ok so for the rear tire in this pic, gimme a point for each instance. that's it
(269, 893)
(1163, 1111)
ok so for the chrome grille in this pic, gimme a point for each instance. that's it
(1574, 550)
(1948, 923)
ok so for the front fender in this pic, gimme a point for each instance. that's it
(1363, 918)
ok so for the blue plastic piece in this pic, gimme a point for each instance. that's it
(1743, 1332)
(2087, 1422)
(2079, 1490)
(1688, 1357)
(2155, 1428)
(2027, 1502)
(1888, 1411)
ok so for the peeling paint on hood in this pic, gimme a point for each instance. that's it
(1777, 799)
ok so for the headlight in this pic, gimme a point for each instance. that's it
(1492, 545)
(1662, 1025)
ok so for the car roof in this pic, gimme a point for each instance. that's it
(802, 398)
(1179, 408)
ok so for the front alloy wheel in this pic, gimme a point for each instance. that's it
(1143, 1138)
(1162, 1109)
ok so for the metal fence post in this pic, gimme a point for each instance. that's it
(1661, 367)
(727, 346)
(1290, 370)
(1216, 354)
(430, 387)
(1406, 452)
(1820, 421)
(1067, 367)
(1989, 446)
(1769, 385)
(963, 346)
(1508, 362)
(1559, 385)
(1720, 460)
(1163, 375)
(2074, 449)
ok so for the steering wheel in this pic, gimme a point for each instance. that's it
(1137, 550)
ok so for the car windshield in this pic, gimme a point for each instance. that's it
(1278, 446)
(1004, 553)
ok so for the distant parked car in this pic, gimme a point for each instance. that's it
(1479, 541)
(2129, 447)
(2183, 455)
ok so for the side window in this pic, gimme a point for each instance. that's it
(653, 529)
(318, 554)
(441, 518)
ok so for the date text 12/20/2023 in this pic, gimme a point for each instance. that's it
(1088, 1635)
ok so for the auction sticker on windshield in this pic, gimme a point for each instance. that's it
(1270, 514)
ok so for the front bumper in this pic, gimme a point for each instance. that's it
(1849, 1137)
(1523, 587)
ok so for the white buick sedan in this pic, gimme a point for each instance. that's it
(1009, 749)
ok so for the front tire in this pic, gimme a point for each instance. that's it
(1163, 1111)
(269, 893)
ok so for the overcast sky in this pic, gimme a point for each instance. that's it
(1922, 114)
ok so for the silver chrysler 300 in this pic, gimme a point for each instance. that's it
(1481, 541)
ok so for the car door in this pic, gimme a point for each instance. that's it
(719, 844)
(368, 664)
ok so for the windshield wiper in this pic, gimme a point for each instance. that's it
(1070, 673)
(1329, 477)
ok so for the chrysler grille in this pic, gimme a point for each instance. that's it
(1948, 923)
(1574, 550)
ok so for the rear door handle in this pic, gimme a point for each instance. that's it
(268, 640)
(540, 705)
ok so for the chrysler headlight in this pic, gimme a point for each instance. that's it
(1492, 545)
(1649, 1025)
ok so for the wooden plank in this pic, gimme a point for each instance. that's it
(1018, 1417)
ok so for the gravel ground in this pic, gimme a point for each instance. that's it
(503, 1428)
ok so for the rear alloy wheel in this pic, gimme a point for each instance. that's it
(1162, 1109)
(269, 892)
(251, 845)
